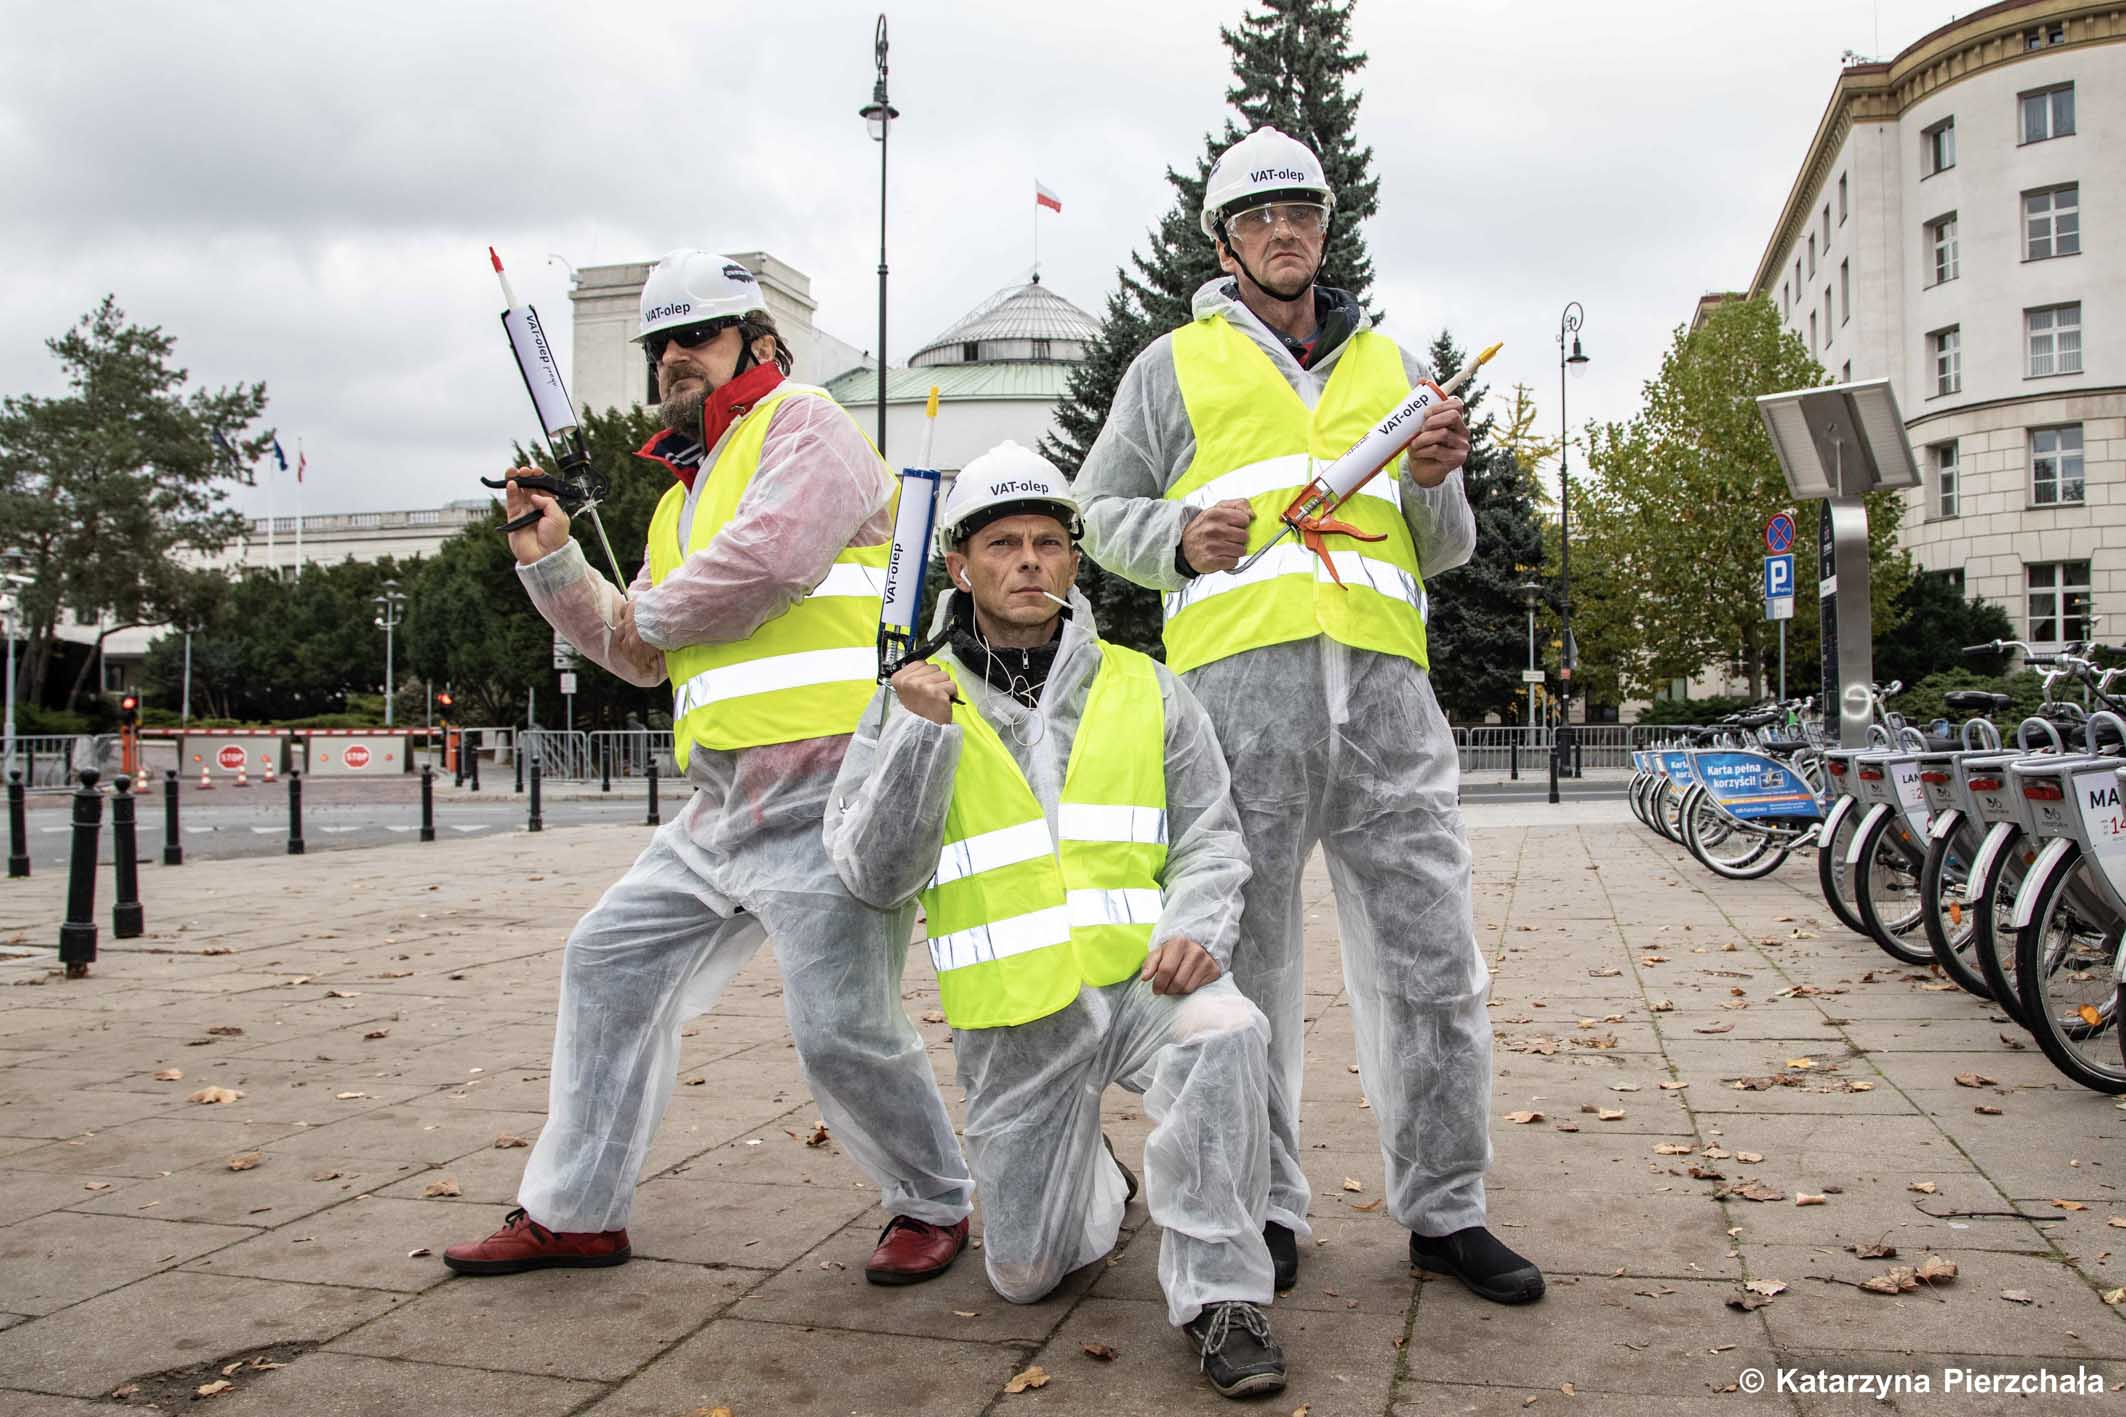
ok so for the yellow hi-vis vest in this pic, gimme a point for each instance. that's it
(1016, 924)
(1256, 439)
(807, 673)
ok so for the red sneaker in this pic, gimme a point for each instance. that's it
(911, 1251)
(523, 1243)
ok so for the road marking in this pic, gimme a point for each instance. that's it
(53, 831)
(476, 827)
(337, 830)
(265, 831)
(398, 829)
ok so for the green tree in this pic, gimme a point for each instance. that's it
(1293, 66)
(1477, 630)
(1668, 551)
(106, 487)
(1935, 622)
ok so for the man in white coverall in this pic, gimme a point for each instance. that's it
(1319, 690)
(1060, 805)
(759, 600)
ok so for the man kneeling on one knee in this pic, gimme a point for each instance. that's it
(1061, 806)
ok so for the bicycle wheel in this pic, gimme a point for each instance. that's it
(1834, 878)
(1737, 853)
(1657, 797)
(1886, 890)
(1637, 797)
(2063, 963)
(1672, 813)
(1992, 914)
(1949, 918)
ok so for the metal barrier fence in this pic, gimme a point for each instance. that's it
(49, 760)
(563, 756)
(1596, 746)
(628, 752)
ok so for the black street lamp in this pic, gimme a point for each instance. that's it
(878, 116)
(1568, 652)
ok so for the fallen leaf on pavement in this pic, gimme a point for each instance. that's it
(1714, 1028)
(1372, 1205)
(1036, 1376)
(95, 1185)
(1669, 1148)
(1985, 1111)
(1749, 1158)
(1353, 1185)
(1874, 1251)
(1804, 1198)
(343, 993)
(1769, 1288)
(819, 1135)
(1674, 1086)
(2115, 1297)
(1974, 1080)
(1099, 1351)
(1609, 1114)
(1747, 1303)
(1624, 1087)
(967, 1313)
(1522, 1119)
(2090, 1016)
(1661, 1006)
(377, 1033)
(347, 1096)
(325, 1176)
(418, 1254)
(934, 1016)
(246, 1161)
(214, 1389)
(506, 1142)
(170, 1075)
(445, 1186)
(2117, 1222)
(1925, 1188)
(1802, 1063)
(214, 1094)
(2018, 1296)
(2070, 1205)
(226, 1030)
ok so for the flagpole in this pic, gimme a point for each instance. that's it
(298, 508)
(272, 561)
(1037, 235)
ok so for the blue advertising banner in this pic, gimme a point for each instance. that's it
(1676, 768)
(1753, 785)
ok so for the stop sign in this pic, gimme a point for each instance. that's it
(231, 756)
(356, 756)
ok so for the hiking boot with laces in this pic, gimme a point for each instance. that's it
(1237, 1353)
(1284, 1253)
(523, 1243)
(911, 1251)
(1480, 1260)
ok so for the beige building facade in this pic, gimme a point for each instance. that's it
(1956, 229)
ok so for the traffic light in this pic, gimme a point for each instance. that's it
(443, 699)
(129, 710)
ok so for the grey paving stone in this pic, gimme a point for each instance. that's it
(153, 1145)
(341, 1385)
(277, 1190)
(61, 1258)
(726, 1223)
(595, 1324)
(171, 1320)
(806, 1372)
(366, 1242)
(1427, 1399)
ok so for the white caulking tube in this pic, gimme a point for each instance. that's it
(549, 396)
(1340, 480)
(907, 564)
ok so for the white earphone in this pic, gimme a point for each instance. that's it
(964, 584)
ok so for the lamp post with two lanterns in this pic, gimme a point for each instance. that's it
(388, 605)
(1574, 363)
(878, 116)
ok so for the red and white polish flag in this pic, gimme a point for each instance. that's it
(1042, 197)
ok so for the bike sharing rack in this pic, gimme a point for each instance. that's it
(1836, 445)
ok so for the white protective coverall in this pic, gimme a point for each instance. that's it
(1347, 748)
(1052, 1199)
(741, 862)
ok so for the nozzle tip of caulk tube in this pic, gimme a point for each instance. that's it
(496, 259)
(1485, 357)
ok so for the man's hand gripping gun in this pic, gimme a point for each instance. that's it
(1313, 512)
(579, 487)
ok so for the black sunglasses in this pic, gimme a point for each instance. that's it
(686, 337)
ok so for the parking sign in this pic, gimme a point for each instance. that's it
(1779, 576)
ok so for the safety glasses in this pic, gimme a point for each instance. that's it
(1304, 218)
(686, 337)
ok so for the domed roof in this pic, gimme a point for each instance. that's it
(1019, 323)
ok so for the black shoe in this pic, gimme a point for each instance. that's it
(1284, 1254)
(1238, 1354)
(1129, 1177)
(1477, 1259)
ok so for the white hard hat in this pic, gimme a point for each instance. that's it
(1265, 166)
(689, 287)
(1006, 481)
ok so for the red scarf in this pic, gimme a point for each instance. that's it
(722, 408)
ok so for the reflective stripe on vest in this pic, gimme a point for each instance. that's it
(1019, 921)
(807, 673)
(1256, 439)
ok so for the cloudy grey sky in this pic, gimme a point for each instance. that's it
(303, 194)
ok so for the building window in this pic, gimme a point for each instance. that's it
(1826, 228)
(1845, 291)
(1812, 253)
(2052, 338)
(1786, 300)
(971, 352)
(1841, 199)
(1937, 148)
(2052, 222)
(2043, 36)
(2048, 113)
(1799, 294)
(1941, 248)
(1040, 349)
(2056, 466)
(1945, 479)
(1845, 375)
(1947, 349)
(1815, 340)
(1827, 336)
(2059, 601)
(1955, 578)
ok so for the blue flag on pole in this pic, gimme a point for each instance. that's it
(279, 456)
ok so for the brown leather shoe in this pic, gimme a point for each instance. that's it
(911, 1251)
(523, 1243)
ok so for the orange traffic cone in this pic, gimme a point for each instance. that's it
(206, 778)
(243, 773)
(268, 779)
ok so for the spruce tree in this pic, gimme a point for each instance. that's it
(1477, 631)
(1292, 67)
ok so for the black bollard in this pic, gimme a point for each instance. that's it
(126, 922)
(18, 827)
(516, 757)
(1579, 767)
(1555, 749)
(77, 936)
(473, 769)
(535, 824)
(173, 851)
(605, 768)
(295, 813)
(654, 818)
(428, 804)
(29, 765)
(457, 759)
(1513, 759)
